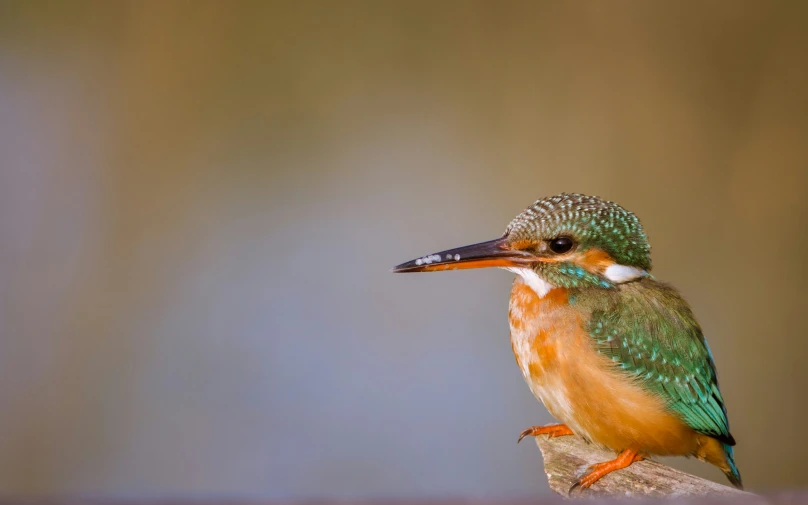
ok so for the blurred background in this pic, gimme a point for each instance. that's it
(200, 203)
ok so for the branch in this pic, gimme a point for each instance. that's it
(566, 457)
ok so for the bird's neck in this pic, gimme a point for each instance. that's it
(607, 276)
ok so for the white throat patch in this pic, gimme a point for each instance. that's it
(621, 273)
(532, 279)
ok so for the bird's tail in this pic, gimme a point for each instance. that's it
(731, 471)
(719, 454)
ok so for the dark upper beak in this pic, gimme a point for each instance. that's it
(494, 253)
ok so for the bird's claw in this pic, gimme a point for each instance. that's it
(524, 434)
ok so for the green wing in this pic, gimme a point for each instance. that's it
(648, 330)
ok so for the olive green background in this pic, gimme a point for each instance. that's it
(200, 203)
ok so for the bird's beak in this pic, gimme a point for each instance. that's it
(494, 253)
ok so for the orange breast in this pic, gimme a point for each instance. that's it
(580, 387)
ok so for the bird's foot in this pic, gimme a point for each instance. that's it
(553, 430)
(596, 471)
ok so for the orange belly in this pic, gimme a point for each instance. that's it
(583, 389)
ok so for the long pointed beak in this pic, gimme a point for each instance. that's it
(494, 253)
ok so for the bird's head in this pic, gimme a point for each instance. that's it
(567, 241)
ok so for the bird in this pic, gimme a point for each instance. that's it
(614, 354)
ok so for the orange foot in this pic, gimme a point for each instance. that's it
(595, 472)
(554, 430)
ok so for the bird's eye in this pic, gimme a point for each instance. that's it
(560, 245)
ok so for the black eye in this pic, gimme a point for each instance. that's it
(560, 245)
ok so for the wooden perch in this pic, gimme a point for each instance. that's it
(566, 457)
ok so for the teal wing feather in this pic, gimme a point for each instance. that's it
(649, 331)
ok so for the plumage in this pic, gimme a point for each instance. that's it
(649, 331)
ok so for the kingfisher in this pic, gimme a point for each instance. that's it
(614, 354)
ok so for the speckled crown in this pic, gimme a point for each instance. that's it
(591, 221)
